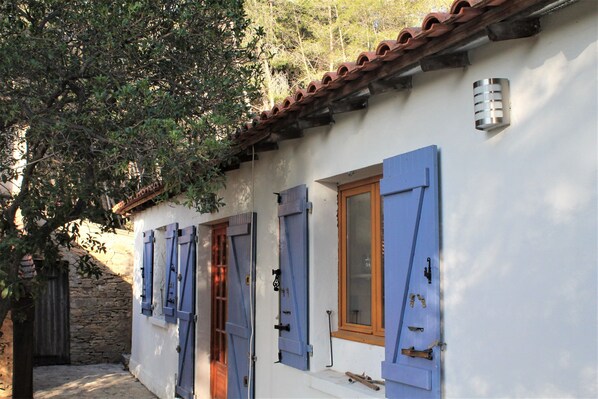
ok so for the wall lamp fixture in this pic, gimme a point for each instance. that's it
(491, 103)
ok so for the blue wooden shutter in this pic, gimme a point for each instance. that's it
(186, 314)
(411, 241)
(172, 255)
(293, 338)
(147, 273)
(241, 235)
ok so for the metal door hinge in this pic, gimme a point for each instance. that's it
(309, 207)
(309, 349)
(441, 345)
(195, 318)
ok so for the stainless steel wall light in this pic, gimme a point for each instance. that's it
(491, 103)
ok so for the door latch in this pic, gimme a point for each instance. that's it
(412, 352)
(428, 271)
(276, 282)
(283, 327)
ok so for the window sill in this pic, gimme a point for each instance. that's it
(337, 385)
(357, 337)
(158, 321)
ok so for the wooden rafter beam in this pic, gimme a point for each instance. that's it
(445, 61)
(391, 83)
(513, 29)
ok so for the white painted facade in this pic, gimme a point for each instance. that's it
(518, 228)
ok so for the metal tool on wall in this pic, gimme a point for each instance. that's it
(329, 313)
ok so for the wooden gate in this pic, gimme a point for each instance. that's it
(52, 333)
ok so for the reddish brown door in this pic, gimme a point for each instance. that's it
(218, 337)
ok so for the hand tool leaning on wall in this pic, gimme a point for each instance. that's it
(365, 380)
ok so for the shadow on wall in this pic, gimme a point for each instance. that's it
(100, 309)
(530, 283)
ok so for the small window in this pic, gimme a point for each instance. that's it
(361, 294)
(159, 284)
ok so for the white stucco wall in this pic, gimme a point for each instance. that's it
(518, 227)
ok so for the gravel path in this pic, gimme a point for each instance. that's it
(91, 381)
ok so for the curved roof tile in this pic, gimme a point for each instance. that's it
(433, 25)
(411, 38)
(462, 11)
(348, 71)
(368, 61)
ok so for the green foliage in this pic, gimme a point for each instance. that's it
(99, 98)
(306, 38)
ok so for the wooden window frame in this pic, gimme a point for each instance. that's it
(373, 334)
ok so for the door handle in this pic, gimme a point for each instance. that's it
(412, 352)
(283, 327)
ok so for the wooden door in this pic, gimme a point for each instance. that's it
(218, 356)
(52, 320)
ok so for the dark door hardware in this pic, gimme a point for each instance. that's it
(245, 381)
(411, 352)
(179, 277)
(178, 348)
(415, 329)
(286, 312)
(283, 327)
(428, 271)
(276, 282)
(422, 300)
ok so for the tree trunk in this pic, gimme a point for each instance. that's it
(24, 315)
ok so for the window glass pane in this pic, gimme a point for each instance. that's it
(359, 259)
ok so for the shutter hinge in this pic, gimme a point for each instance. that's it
(309, 207)
(195, 318)
(196, 239)
(153, 239)
(309, 349)
(441, 345)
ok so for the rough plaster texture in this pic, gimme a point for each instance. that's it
(100, 310)
(6, 358)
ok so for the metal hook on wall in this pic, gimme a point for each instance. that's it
(329, 313)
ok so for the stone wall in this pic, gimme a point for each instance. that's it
(6, 358)
(100, 309)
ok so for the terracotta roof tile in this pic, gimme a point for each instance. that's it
(462, 11)
(434, 25)
(411, 38)
(368, 61)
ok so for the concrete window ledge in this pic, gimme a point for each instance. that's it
(337, 384)
(158, 322)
